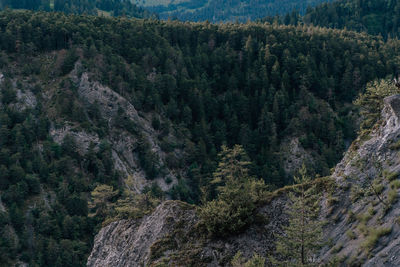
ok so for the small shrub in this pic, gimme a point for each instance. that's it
(363, 229)
(392, 196)
(350, 234)
(239, 261)
(356, 193)
(364, 218)
(391, 176)
(379, 188)
(373, 236)
(337, 248)
(395, 184)
(371, 211)
(350, 216)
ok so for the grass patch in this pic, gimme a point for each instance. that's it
(371, 211)
(392, 196)
(378, 188)
(390, 176)
(363, 229)
(350, 234)
(364, 218)
(337, 248)
(373, 237)
(395, 184)
(356, 193)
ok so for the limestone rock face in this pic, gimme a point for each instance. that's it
(129, 242)
(362, 202)
(171, 235)
(363, 205)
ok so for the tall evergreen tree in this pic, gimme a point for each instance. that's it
(302, 237)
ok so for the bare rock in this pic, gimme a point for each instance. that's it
(365, 167)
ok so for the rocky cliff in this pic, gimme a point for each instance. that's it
(361, 212)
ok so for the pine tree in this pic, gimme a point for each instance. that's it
(302, 237)
(238, 194)
(101, 198)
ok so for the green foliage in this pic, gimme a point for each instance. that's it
(91, 7)
(238, 194)
(378, 17)
(8, 93)
(148, 159)
(101, 200)
(69, 62)
(395, 184)
(364, 218)
(392, 196)
(43, 187)
(249, 84)
(107, 204)
(373, 236)
(371, 101)
(390, 176)
(350, 234)
(232, 11)
(302, 237)
(225, 84)
(255, 261)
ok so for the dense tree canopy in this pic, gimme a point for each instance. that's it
(257, 85)
(220, 10)
(90, 7)
(251, 84)
(372, 16)
(376, 17)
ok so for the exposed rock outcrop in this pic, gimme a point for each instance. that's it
(171, 235)
(361, 211)
(366, 199)
(123, 143)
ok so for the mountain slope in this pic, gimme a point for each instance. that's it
(225, 11)
(362, 226)
(378, 17)
(91, 7)
(124, 105)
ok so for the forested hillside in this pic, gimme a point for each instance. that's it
(90, 7)
(195, 87)
(378, 17)
(220, 10)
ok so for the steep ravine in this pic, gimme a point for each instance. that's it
(363, 202)
(123, 143)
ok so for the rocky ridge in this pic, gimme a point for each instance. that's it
(362, 215)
